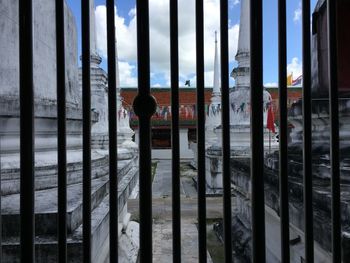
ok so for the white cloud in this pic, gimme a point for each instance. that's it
(297, 14)
(235, 2)
(126, 34)
(126, 75)
(208, 79)
(271, 84)
(159, 36)
(295, 67)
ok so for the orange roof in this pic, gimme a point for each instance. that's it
(187, 102)
(162, 118)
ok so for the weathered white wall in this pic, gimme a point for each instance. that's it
(44, 50)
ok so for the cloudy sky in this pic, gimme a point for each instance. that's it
(159, 37)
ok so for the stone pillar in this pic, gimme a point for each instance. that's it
(185, 151)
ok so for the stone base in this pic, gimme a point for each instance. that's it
(46, 218)
(100, 141)
(46, 169)
(242, 189)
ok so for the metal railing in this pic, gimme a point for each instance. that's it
(144, 106)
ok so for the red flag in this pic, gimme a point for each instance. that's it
(270, 123)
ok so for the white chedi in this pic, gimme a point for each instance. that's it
(240, 106)
(124, 132)
(214, 111)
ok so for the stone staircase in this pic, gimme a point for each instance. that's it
(46, 215)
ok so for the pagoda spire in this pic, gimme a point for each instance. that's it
(241, 74)
(216, 84)
(213, 119)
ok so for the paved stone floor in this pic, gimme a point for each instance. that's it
(162, 225)
(162, 241)
(162, 213)
(162, 180)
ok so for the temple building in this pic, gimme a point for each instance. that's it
(161, 120)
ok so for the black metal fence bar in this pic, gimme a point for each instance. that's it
(283, 131)
(144, 107)
(202, 232)
(26, 90)
(112, 129)
(61, 134)
(307, 141)
(225, 113)
(86, 93)
(334, 118)
(175, 143)
(0, 210)
(257, 132)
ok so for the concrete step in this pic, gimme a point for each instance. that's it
(46, 208)
(46, 205)
(46, 245)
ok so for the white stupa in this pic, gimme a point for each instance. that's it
(99, 98)
(213, 119)
(240, 96)
(240, 128)
(124, 131)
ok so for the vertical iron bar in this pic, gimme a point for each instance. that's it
(112, 127)
(202, 231)
(144, 107)
(257, 131)
(0, 208)
(334, 118)
(26, 130)
(61, 133)
(307, 153)
(86, 93)
(225, 114)
(283, 138)
(175, 143)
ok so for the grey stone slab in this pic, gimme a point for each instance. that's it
(162, 241)
(161, 186)
(162, 181)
